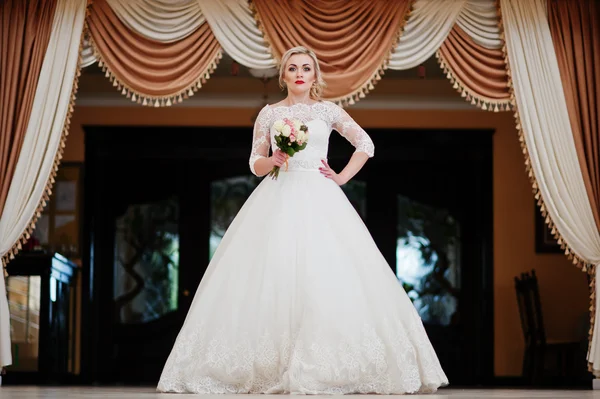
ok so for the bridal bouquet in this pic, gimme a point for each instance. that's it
(291, 136)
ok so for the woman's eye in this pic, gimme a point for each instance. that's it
(306, 69)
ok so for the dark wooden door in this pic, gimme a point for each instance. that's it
(181, 187)
(429, 197)
(148, 226)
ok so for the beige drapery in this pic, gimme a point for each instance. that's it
(25, 28)
(147, 71)
(43, 143)
(478, 73)
(353, 55)
(352, 39)
(575, 28)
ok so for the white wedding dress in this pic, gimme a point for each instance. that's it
(297, 298)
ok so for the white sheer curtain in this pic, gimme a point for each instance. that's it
(547, 132)
(428, 25)
(479, 19)
(161, 20)
(87, 53)
(42, 141)
(235, 28)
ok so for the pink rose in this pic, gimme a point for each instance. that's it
(292, 138)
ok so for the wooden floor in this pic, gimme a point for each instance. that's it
(25, 392)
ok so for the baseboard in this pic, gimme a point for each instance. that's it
(508, 381)
(34, 378)
(550, 382)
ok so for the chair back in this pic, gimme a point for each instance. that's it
(530, 309)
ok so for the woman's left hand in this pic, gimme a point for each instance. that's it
(330, 173)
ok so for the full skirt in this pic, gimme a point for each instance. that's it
(298, 299)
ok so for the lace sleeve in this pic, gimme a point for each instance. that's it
(345, 125)
(261, 141)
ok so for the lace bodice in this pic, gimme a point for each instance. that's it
(320, 118)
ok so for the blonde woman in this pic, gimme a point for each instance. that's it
(298, 299)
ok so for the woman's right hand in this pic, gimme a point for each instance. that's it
(278, 158)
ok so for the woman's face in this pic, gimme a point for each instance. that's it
(299, 73)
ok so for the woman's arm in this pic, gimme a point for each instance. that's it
(357, 161)
(262, 166)
(260, 161)
(261, 142)
(365, 149)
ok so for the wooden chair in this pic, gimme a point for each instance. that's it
(537, 346)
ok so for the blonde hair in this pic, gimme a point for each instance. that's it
(319, 84)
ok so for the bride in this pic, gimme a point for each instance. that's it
(297, 298)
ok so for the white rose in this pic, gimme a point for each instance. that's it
(278, 125)
(301, 136)
(297, 125)
(286, 130)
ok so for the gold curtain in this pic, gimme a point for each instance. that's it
(575, 29)
(25, 28)
(352, 39)
(147, 71)
(478, 73)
